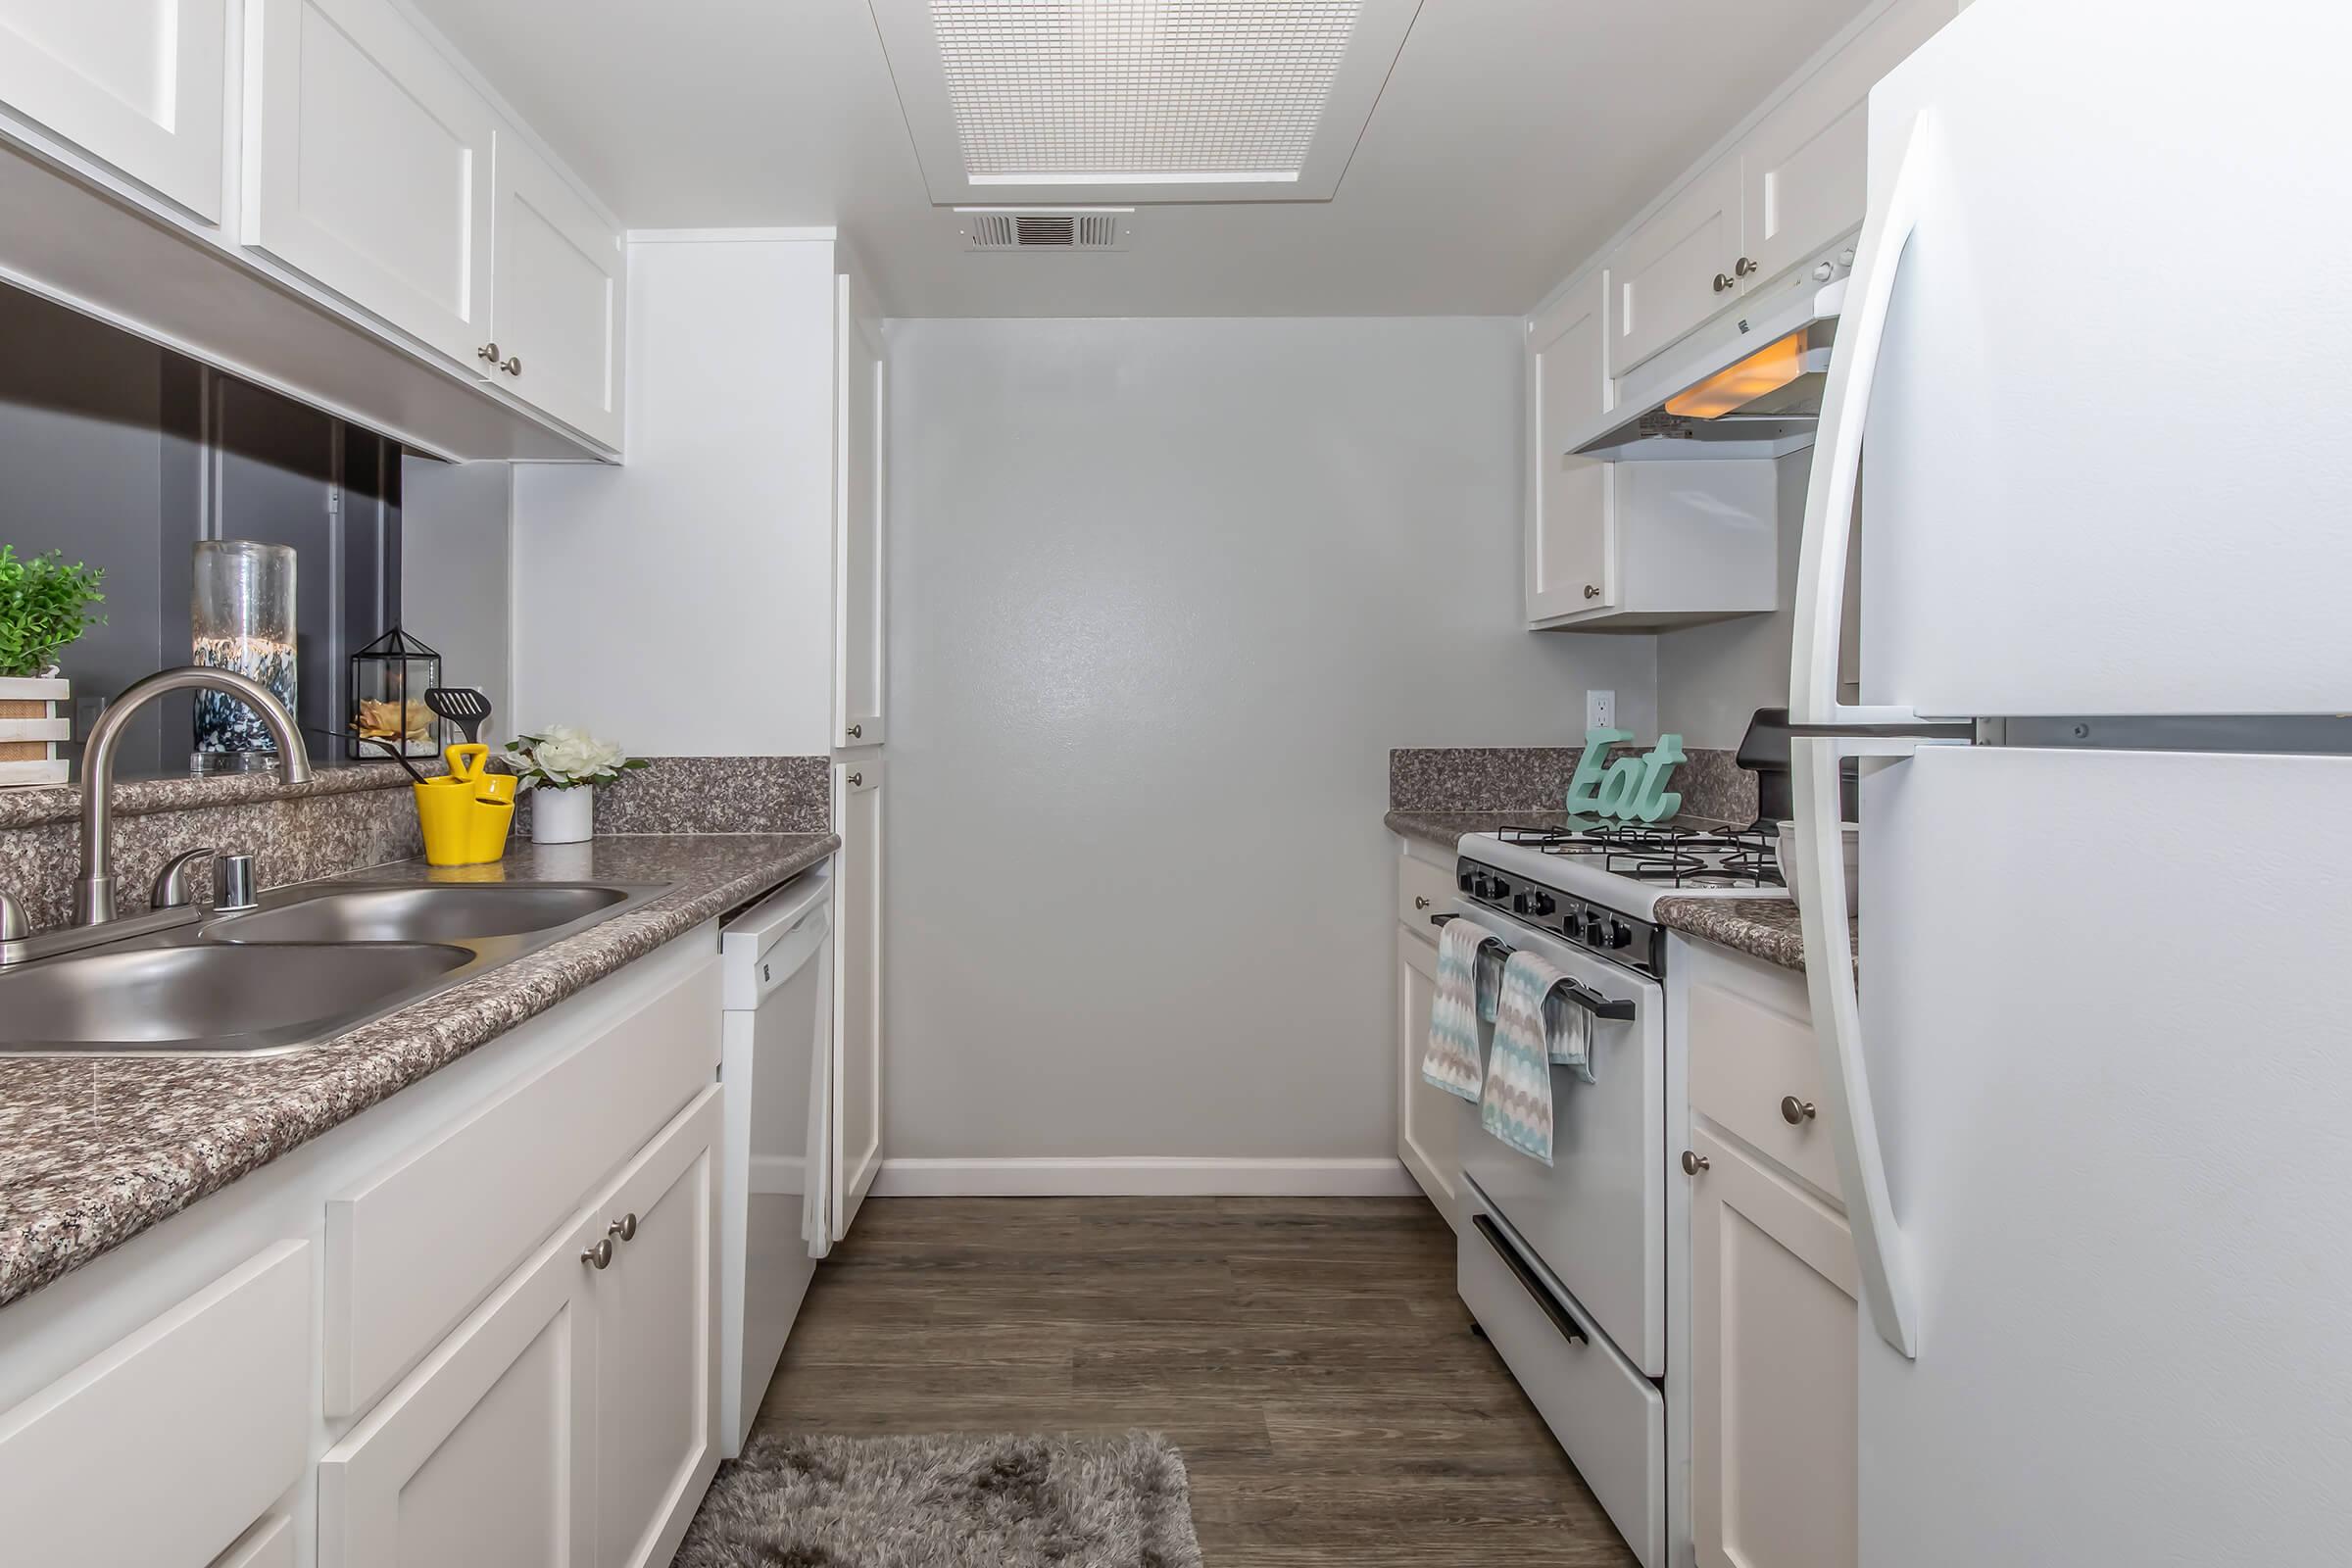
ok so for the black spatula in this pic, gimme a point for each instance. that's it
(461, 706)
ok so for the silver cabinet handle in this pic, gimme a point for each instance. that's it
(1591, 589)
(488, 351)
(1420, 903)
(624, 1227)
(1743, 267)
(857, 732)
(600, 1256)
(1795, 1111)
(513, 367)
(1693, 1162)
(856, 779)
(1723, 282)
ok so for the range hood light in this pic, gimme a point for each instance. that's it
(1765, 371)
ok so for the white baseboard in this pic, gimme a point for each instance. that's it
(1144, 1177)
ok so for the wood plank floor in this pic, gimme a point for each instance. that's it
(1309, 1355)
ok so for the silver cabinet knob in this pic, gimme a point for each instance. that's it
(1591, 589)
(624, 1227)
(488, 351)
(1420, 903)
(600, 1256)
(1743, 267)
(1693, 1162)
(1795, 1111)
(1723, 282)
(856, 779)
(513, 367)
(857, 732)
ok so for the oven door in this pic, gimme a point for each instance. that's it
(1596, 1216)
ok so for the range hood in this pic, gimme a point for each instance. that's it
(1748, 387)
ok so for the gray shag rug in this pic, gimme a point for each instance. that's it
(798, 1501)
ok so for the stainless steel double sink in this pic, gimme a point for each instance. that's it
(307, 964)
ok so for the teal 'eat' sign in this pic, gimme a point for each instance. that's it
(1630, 788)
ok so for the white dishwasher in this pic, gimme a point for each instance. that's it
(776, 979)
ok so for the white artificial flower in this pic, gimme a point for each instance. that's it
(569, 757)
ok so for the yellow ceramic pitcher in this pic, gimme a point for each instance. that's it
(465, 814)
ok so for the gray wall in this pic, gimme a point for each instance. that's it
(455, 551)
(1164, 593)
(1712, 678)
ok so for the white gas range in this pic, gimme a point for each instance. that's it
(1566, 1266)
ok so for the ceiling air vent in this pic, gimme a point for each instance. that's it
(1044, 229)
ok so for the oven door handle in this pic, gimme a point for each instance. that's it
(1593, 1002)
(1569, 1328)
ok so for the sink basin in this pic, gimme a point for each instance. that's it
(460, 912)
(207, 997)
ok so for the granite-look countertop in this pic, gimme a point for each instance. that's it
(1770, 929)
(92, 1152)
(1443, 828)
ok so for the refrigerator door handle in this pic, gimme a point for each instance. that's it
(1880, 1256)
(1837, 453)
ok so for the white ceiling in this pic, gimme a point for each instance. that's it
(1512, 138)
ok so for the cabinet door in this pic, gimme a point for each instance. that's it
(1802, 170)
(135, 83)
(1665, 277)
(1429, 1120)
(1773, 1369)
(484, 1456)
(657, 1401)
(367, 166)
(1571, 502)
(855, 1141)
(556, 295)
(859, 619)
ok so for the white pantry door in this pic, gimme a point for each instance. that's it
(855, 1145)
(861, 623)
(368, 167)
(135, 83)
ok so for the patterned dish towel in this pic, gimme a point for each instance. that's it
(1452, 1061)
(1516, 1106)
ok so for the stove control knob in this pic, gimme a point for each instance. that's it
(1464, 880)
(1597, 933)
(1621, 935)
(1481, 885)
(1522, 905)
(1541, 904)
(1502, 889)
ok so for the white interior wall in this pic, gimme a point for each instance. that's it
(455, 591)
(1164, 593)
(681, 605)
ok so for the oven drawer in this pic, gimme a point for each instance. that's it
(1422, 890)
(1755, 1068)
(1609, 1418)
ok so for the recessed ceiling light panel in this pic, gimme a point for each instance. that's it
(1139, 100)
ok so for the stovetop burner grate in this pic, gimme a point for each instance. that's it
(1675, 856)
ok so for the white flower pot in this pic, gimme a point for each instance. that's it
(562, 816)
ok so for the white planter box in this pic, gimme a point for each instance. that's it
(35, 718)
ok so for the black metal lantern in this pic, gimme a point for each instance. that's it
(386, 706)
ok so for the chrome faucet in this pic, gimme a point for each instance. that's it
(94, 886)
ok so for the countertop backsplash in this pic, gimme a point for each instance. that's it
(1535, 778)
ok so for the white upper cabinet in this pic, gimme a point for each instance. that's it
(557, 299)
(368, 167)
(134, 83)
(1803, 169)
(1677, 269)
(1569, 500)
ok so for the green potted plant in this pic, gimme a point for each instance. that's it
(44, 605)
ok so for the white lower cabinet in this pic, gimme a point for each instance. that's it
(855, 1078)
(656, 1345)
(571, 1419)
(1772, 1314)
(1429, 1120)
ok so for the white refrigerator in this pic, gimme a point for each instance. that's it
(2093, 1098)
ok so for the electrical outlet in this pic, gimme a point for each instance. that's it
(1601, 710)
